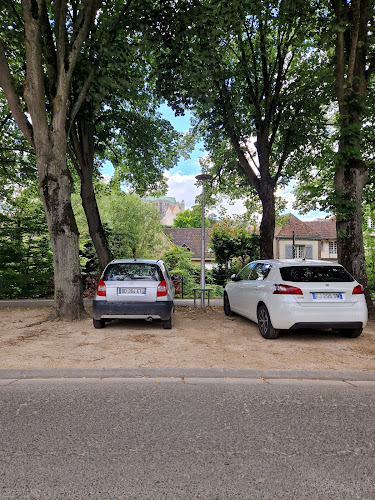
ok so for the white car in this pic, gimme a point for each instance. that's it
(292, 294)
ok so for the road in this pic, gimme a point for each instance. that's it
(186, 438)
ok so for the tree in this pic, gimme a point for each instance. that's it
(49, 39)
(133, 225)
(250, 74)
(354, 66)
(191, 217)
(119, 122)
(26, 261)
(230, 240)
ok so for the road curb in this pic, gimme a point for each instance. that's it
(189, 373)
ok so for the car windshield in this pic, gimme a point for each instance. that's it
(315, 273)
(127, 271)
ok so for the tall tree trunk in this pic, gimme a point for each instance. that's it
(350, 182)
(90, 206)
(267, 225)
(49, 140)
(351, 175)
(83, 146)
(55, 190)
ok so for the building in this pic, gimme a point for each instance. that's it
(191, 238)
(315, 239)
(168, 208)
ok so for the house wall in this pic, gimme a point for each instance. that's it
(281, 244)
(325, 251)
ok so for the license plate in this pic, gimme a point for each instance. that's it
(132, 291)
(327, 295)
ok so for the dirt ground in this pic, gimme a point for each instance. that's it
(199, 339)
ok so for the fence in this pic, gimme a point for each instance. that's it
(20, 286)
(23, 286)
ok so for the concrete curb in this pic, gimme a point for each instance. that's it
(184, 373)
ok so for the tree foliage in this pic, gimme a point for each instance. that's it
(26, 261)
(133, 226)
(191, 217)
(251, 74)
(230, 241)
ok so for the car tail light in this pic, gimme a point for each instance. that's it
(101, 289)
(358, 290)
(287, 290)
(162, 289)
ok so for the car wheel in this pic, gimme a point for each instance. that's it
(227, 310)
(98, 323)
(351, 333)
(266, 329)
(167, 323)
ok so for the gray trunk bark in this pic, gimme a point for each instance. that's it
(55, 190)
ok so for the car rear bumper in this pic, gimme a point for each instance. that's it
(289, 314)
(325, 325)
(105, 309)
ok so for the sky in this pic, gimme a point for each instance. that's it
(181, 179)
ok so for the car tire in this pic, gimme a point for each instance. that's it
(351, 333)
(266, 329)
(227, 310)
(167, 323)
(98, 323)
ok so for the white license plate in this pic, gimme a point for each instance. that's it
(327, 296)
(132, 291)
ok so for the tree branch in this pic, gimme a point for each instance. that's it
(14, 102)
(108, 40)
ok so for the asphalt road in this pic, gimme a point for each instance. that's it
(186, 438)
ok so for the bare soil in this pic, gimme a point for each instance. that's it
(199, 339)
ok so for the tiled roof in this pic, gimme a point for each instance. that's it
(318, 229)
(190, 238)
(326, 228)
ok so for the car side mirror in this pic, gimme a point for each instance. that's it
(234, 277)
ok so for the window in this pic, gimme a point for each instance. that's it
(332, 247)
(315, 273)
(262, 271)
(299, 251)
(132, 271)
(244, 273)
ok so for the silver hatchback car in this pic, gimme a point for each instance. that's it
(134, 289)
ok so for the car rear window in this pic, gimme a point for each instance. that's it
(315, 273)
(133, 271)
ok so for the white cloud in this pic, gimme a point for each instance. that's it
(182, 187)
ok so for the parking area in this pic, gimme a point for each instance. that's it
(199, 339)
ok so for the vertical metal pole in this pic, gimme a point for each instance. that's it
(203, 178)
(203, 268)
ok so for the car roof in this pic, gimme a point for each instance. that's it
(298, 262)
(138, 261)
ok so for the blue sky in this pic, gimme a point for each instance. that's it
(181, 179)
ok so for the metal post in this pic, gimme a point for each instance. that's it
(203, 178)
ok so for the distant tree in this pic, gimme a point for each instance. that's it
(229, 241)
(133, 226)
(192, 217)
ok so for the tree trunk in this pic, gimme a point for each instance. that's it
(84, 154)
(267, 225)
(349, 184)
(351, 171)
(94, 222)
(55, 190)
